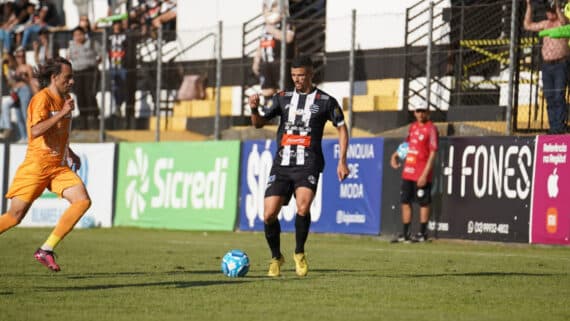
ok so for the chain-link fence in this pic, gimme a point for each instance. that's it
(456, 55)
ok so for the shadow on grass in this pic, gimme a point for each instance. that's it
(176, 284)
(6, 293)
(126, 273)
(472, 274)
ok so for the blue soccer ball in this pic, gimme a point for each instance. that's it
(402, 150)
(235, 264)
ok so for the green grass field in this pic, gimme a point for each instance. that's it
(132, 274)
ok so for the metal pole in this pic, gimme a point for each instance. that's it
(50, 45)
(103, 85)
(428, 55)
(218, 81)
(283, 44)
(351, 73)
(158, 83)
(511, 68)
(460, 65)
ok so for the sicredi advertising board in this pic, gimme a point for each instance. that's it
(97, 173)
(487, 188)
(178, 185)
(550, 222)
(351, 206)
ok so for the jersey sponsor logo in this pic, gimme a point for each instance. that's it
(289, 139)
(269, 43)
(53, 113)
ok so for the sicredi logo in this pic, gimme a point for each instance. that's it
(137, 187)
(175, 188)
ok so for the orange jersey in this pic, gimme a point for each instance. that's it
(51, 147)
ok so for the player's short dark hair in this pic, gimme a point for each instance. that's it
(302, 61)
(51, 67)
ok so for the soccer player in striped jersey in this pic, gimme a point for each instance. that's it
(303, 114)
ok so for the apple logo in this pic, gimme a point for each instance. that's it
(552, 184)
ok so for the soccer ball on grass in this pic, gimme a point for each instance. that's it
(235, 264)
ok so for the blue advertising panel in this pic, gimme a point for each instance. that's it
(351, 206)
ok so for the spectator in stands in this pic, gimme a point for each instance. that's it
(22, 86)
(117, 46)
(555, 54)
(82, 7)
(167, 13)
(9, 21)
(43, 49)
(417, 173)
(46, 15)
(85, 24)
(266, 62)
(84, 55)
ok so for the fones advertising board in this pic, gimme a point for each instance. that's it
(487, 184)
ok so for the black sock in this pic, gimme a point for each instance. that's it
(272, 235)
(302, 224)
(423, 228)
(406, 229)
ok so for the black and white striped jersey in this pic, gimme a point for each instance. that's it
(300, 132)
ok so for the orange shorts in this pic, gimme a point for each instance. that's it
(32, 179)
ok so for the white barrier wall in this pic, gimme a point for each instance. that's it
(97, 171)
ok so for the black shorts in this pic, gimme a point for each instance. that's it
(410, 192)
(269, 75)
(284, 180)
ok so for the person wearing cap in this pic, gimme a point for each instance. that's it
(417, 173)
(555, 53)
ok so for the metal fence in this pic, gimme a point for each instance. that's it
(466, 59)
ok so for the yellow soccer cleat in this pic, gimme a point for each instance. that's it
(275, 266)
(301, 265)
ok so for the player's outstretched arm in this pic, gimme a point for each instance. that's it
(342, 169)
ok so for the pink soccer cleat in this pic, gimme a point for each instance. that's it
(47, 258)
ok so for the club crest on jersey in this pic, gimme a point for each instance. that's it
(312, 179)
(314, 109)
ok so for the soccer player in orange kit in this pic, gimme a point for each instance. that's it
(49, 158)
